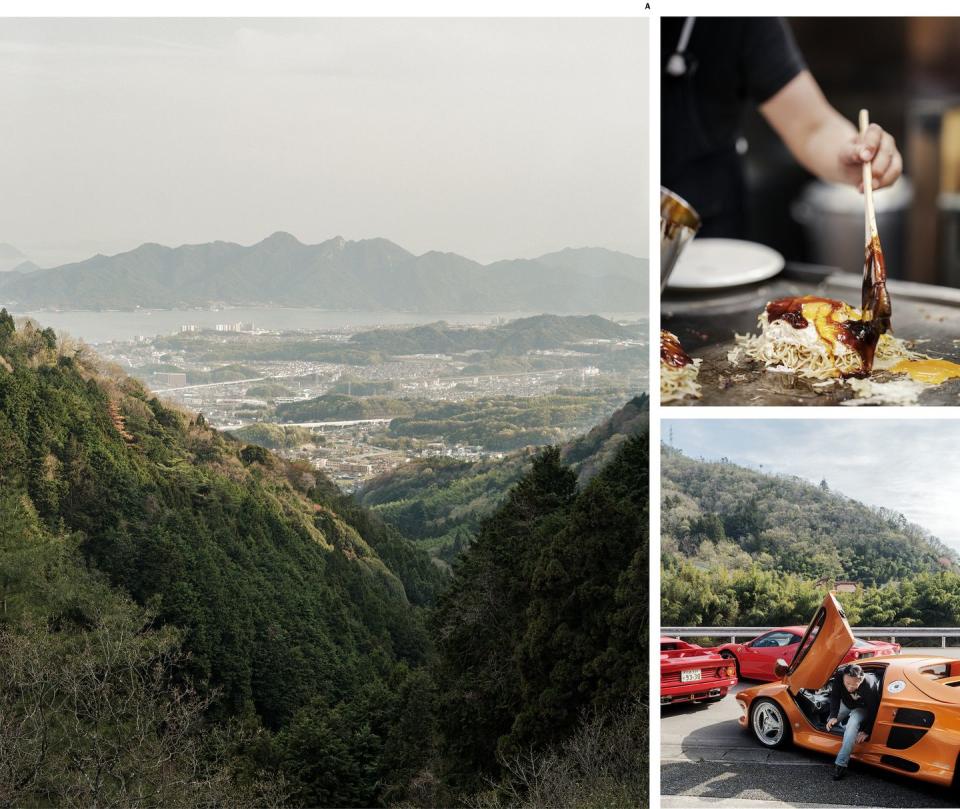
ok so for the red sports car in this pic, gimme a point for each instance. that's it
(756, 659)
(690, 673)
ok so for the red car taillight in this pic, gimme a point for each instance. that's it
(731, 671)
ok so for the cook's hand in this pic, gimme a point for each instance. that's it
(861, 737)
(877, 146)
(831, 723)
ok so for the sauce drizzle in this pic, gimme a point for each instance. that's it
(671, 352)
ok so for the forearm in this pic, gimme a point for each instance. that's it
(825, 142)
(818, 149)
(813, 131)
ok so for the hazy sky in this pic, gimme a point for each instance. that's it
(490, 138)
(909, 466)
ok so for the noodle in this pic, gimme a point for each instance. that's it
(677, 383)
(678, 372)
(782, 347)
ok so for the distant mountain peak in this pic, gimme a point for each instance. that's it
(10, 257)
(281, 238)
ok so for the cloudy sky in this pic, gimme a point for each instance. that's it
(909, 466)
(491, 138)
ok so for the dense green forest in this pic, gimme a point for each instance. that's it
(440, 502)
(546, 621)
(740, 547)
(694, 596)
(298, 612)
(189, 620)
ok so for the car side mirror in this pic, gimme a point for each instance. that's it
(781, 668)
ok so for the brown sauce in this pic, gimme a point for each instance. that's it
(826, 315)
(876, 299)
(671, 352)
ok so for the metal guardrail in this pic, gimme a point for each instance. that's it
(890, 633)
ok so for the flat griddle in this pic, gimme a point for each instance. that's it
(926, 316)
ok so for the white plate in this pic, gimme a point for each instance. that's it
(719, 263)
(690, 676)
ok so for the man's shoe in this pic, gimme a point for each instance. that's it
(839, 772)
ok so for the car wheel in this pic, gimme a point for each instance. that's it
(731, 656)
(769, 724)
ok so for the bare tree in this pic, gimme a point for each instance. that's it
(604, 763)
(93, 718)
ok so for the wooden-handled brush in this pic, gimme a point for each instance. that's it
(875, 301)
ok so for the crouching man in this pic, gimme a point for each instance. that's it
(854, 699)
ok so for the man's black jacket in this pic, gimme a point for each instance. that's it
(867, 697)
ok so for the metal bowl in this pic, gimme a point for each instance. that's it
(679, 223)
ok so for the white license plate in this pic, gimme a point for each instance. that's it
(689, 676)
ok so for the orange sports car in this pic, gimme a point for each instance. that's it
(917, 729)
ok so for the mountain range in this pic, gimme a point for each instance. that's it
(336, 274)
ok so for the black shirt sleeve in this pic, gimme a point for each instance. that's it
(770, 58)
(870, 691)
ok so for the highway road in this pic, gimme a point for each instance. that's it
(708, 761)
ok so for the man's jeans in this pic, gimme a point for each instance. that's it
(855, 719)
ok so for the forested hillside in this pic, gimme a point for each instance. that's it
(440, 502)
(188, 620)
(741, 547)
(544, 630)
(297, 611)
(717, 511)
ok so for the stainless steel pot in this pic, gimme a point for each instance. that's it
(679, 223)
(832, 219)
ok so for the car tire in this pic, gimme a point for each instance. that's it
(769, 724)
(731, 656)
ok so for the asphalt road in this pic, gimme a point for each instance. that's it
(706, 760)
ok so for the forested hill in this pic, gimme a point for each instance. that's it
(300, 612)
(513, 338)
(719, 515)
(542, 640)
(440, 502)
